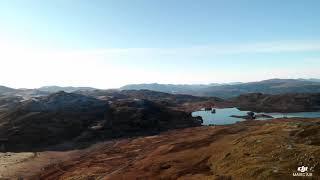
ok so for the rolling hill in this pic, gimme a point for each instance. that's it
(54, 89)
(271, 86)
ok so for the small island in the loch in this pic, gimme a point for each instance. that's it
(252, 115)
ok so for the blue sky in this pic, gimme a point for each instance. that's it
(110, 43)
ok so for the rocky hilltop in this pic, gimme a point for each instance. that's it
(77, 119)
(54, 89)
(50, 120)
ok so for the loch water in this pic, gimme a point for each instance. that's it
(223, 116)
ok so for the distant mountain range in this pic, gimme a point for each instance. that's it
(226, 90)
(168, 88)
(190, 89)
(42, 91)
(271, 86)
(65, 89)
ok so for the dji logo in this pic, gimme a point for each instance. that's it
(302, 169)
(302, 172)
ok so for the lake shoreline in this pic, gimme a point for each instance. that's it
(225, 116)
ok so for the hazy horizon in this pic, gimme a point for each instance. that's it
(108, 44)
(206, 84)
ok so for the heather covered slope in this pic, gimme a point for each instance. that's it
(277, 103)
(248, 150)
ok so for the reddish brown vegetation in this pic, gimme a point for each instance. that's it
(248, 150)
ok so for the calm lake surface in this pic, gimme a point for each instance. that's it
(222, 116)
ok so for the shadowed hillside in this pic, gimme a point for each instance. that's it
(272, 86)
(66, 117)
(285, 103)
